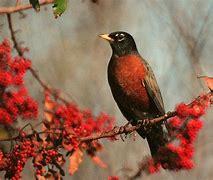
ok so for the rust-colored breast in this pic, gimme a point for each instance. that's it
(129, 72)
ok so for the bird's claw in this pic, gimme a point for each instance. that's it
(121, 129)
(145, 124)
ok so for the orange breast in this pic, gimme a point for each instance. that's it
(130, 72)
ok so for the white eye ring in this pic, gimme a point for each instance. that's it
(121, 37)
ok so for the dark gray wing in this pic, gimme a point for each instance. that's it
(153, 90)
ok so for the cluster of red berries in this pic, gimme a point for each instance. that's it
(65, 124)
(183, 129)
(83, 123)
(15, 100)
(17, 159)
(113, 178)
(44, 158)
(76, 122)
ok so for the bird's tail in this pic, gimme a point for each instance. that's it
(156, 138)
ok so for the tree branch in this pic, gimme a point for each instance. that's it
(123, 129)
(107, 134)
(20, 52)
(9, 10)
(127, 129)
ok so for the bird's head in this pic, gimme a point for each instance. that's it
(121, 43)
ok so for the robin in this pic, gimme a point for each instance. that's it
(135, 88)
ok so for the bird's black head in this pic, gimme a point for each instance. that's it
(122, 43)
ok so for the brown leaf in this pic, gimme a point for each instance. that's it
(4, 133)
(208, 81)
(75, 161)
(49, 105)
(99, 162)
(39, 177)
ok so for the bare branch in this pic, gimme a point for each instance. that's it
(9, 10)
(127, 129)
(12, 33)
(20, 52)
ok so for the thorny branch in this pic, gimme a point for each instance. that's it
(18, 8)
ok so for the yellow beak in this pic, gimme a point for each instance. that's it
(106, 37)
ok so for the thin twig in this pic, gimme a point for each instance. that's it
(20, 52)
(9, 10)
(18, 137)
(12, 33)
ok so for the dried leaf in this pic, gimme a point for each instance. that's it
(4, 134)
(39, 177)
(75, 161)
(99, 162)
(208, 81)
(49, 105)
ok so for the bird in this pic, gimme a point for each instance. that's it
(135, 89)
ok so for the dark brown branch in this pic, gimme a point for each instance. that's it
(12, 33)
(127, 129)
(9, 10)
(20, 52)
(54, 92)
(18, 137)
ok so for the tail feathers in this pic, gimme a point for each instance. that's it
(156, 138)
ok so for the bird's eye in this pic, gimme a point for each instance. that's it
(120, 37)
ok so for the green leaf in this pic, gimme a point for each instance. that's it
(35, 4)
(59, 7)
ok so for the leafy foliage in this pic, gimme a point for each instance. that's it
(59, 7)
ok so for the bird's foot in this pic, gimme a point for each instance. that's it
(145, 124)
(124, 129)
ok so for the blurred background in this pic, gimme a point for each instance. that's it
(175, 37)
